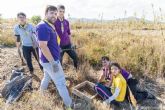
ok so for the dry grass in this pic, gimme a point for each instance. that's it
(35, 101)
(137, 53)
(6, 32)
(135, 45)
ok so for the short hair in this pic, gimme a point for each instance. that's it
(61, 7)
(21, 13)
(104, 58)
(115, 64)
(50, 8)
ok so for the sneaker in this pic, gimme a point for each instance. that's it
(69, 108)
(31, 73)
(23, 63)
(35, 76)
(75, 105)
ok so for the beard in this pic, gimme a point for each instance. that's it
(51, 20)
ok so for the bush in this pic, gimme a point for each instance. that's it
(35, 19)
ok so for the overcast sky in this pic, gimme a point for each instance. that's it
(111, 9)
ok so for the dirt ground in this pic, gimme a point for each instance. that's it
(9, 58)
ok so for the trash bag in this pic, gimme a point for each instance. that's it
(17, 84)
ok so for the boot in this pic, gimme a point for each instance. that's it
(35, 76)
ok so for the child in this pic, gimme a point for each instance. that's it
(106, 77)
(117, 91)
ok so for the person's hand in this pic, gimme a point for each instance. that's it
(73, 46)
(107, 101)
(61, 50)
(54, 66)
(106, 84)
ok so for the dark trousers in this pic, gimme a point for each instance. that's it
(138, 94)
(105, 92)
(27, 53)
(71, 52)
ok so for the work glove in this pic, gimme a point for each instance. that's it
(73, 47)
(54, 66)
(107, 101)
(61, 50)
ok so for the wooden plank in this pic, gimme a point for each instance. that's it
(82, 95)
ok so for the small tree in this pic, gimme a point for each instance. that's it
(36, 19)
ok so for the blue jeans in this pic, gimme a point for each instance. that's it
(58, 79)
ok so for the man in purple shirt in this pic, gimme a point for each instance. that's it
(50, 54)
(63, 30)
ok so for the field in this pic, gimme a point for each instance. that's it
(138, 46)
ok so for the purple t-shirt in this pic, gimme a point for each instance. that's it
(46, 33)
(125, 74)
(63, 30)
